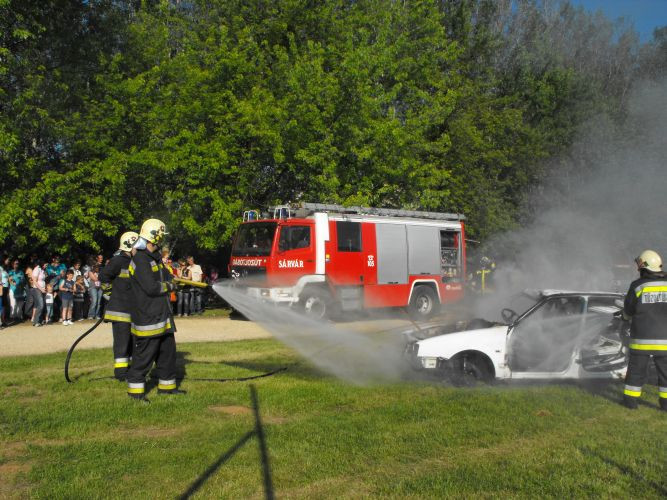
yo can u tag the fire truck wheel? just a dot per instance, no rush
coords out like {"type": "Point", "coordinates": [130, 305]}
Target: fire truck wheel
{"type": "Point", "coordinates": [424, 302]}
{"type": "Point", "coordinates": [316, 303]}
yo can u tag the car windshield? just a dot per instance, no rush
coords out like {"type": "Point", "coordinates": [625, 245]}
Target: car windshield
{"type": "Point", "coordinates": [254, 239]}
{"type": "Point", "coordinates": [521, 302]}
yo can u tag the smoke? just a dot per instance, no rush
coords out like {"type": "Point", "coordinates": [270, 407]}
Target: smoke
{"type": "Point", "coordinates": [353, 355]}
{"type": "Point", "coordinates": [605, 202]}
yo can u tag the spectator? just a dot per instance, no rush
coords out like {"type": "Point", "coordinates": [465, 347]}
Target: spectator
{"type": "Point", "coordinates": [37, 292]}
{"type": "Point", "coordinates": [94, 292]}
{"type": "Point", "coordinates": [76, 269]}
{"type": "Point", "coordinates": [54, 270]}
{"type": "Point", "coordinates": [183, 294]}
{"type": "Point", "coordinates": [167, 263]}
{"type": "Point", "coordinates": [57, 305]}
{"type": "Point", "coordinates": [49, 297]}
{"type": "Point", "coordinates": [4, 290]}
{"type": "Point", "coordinates": [79, 293]}
{"type": "Point", "coordinates": [66, 289]}
{"type": "Point", "coordinates": [196, 274]}
{"type": "Point", "coordinates": [17, 291]}
{"type": "Point", "coordinates": [5, 307]}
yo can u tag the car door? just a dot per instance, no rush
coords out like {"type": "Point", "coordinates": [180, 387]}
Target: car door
{"type": "Point", "coordinates": [543, 343]}
{"type": "Point", "coordinates": [602, 349]}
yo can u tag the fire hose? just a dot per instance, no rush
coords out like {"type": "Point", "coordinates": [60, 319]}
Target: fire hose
{"type": "Point", "coordinates": [71, 349]}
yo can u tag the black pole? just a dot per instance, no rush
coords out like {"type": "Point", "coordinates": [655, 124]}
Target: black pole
{"type": "Point", "coordinates": [259, 432]}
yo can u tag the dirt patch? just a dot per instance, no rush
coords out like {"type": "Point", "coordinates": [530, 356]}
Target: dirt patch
{"type": "Point", "coordinates": [543, 413]}
{"type": "Point", "coordinates": [10, 485]}
{"type": "Point", "coordinates": [232, 410]}
{"type": "Point", "coordinates": [149, 432]}
{"type": "Point", "coordinates": [14, 449]}
{"type": "Point", "coordinates": [275, 420]}
{"type": "Point", "coordinates": [49, 442]}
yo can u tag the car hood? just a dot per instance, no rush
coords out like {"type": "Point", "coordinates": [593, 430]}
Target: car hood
{"type": "Point", "coordinates": [488, 340]}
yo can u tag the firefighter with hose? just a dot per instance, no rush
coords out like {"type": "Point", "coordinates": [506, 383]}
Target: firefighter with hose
{"type": "Point", "coordinates": [115, 275]}
{"type": "Point", "coordinates": [152, 322]}
{"type": "Point", "coordinates": [646, 304]}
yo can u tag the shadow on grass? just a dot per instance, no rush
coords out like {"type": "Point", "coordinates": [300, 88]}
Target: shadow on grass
{"type": "Point", "coordinates": [635, 476]}
{"type": "Point", "coordinates": [298, 368]}
{"type": "Point", "coordinates": [611, 390]}
{"type": "Point", "coordinates": [257, 432]}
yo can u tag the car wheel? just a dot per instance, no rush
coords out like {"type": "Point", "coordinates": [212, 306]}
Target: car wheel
{"type": "Point", "coordinates": [316, 303]}
{"type": "Point", "coordinates": [424, 303]}
{"type": "Point", "coordinates": [469, 369]}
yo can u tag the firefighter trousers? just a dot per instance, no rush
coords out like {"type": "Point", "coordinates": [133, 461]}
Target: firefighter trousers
{"type": "Point", "coordinates": [162, 351]}
{"type": "Point", "coordinates": [637, 374]}
{"type": "Point", "coordinates": [122, 348]}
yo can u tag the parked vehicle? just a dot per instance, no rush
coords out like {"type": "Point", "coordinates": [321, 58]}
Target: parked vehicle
{"type": "Point", "coordinates": [554, 335]}
{"type": "Point", "coordinates": [329, 258]}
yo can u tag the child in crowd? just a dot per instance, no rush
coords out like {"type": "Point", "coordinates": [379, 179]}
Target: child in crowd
{"type": "Point", "coordinates": [79, 294]}
{"type": "Point", "coordinates": [48, 299]}
{"type": "Point", "coordinates": [66, 295]}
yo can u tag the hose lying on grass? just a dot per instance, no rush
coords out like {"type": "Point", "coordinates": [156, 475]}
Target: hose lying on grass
{"type": "Point", "coordinates": [234, 379]}
{"type": "Point", "coordinates": [71, 349]}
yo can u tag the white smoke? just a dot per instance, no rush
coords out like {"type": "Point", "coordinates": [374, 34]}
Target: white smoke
{"type": "Point", "coordinates": [605, 203]}
{"type": "Point", "coordinates": [355, 356]}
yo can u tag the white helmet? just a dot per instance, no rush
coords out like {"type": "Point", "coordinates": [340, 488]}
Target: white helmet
{"type": "Point", "coordinates": [127, 241]}
{"type": "Point", "coordinates": [153, 230]}
{"type": "Point", "coordinates": [650, 260]}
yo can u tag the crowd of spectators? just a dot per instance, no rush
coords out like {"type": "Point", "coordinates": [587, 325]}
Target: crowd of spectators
{"type": "Point", "coordinates": [53, 292]}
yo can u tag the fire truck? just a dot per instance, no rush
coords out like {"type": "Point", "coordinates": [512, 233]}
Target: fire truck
{"type": "Point", "coordinates": [329, 259]}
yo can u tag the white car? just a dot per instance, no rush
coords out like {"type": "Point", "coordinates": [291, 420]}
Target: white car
{"type": "Point", "coordinates": [554, 335]}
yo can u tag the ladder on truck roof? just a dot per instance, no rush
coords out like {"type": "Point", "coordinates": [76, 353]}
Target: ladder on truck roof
{"type": "Point", "coordinates": [311, 208]}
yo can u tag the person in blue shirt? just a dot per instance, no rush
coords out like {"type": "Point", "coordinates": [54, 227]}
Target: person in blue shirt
{"type": "Point", "coordinates": [17, 291]}
{"type": "Point", "coordinates": [55, 270]}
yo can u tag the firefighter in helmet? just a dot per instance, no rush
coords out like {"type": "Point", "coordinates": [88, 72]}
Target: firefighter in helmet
{"type": "Point", "coordinates": [115, 276]}
{"type": "Point", "coordinates": [152, 323]}
{"type": "Point", "coordinates": [646, 304]}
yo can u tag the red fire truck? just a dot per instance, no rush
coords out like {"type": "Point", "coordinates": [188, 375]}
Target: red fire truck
{"type": "Point", "coordinates": [329, 258]}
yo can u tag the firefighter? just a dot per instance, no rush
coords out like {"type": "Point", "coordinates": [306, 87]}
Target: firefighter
{"type": "Point", "coordinates": [152, 323]}
{"type": "Point", "coordinates": [646, 304]}
{"type": "Point", "coordinates": [115, 275]}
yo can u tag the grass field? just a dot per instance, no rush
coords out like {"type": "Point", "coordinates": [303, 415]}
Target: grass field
{"type": "Point", "coordinates": [326, 439]}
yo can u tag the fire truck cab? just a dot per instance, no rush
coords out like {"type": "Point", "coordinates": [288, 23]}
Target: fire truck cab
{"type": "Point", "coordinates": [329, 259]}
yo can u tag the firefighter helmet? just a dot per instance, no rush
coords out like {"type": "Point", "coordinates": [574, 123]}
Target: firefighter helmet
{"type": "Point", "coordinates": [650, 260]}
{"type": "Point", "coordinates": [153, 231]}
{"type": "Point", "coordinates": [127, 241]}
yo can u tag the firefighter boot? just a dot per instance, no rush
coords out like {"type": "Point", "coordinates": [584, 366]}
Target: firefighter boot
{"type": "Point", "coordinates": [171, 391]}
{"type": "Point", "coordinates": [140, 398]}
{"type": "Point", "coordinates": [630, 402]}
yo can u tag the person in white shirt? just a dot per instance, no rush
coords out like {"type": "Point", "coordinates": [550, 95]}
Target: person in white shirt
{"type": "Point", "coordinates": [196, 274]}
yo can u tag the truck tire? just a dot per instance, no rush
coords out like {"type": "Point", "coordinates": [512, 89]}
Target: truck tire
{"type": "Point", "coordinates": [316, 303]}
{"type": "Point", "coordinates": [424, 303]}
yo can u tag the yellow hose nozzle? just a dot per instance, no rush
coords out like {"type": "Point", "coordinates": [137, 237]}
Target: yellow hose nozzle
{"type": "Point", "coordinates": [183, 281]}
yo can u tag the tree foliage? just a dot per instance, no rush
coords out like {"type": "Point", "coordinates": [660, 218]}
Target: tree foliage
{"type": "Point", "coordinates": [114, 111]}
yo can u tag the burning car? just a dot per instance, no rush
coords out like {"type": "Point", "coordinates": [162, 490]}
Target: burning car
{"type": "Point", "coordinates": [548, 334]}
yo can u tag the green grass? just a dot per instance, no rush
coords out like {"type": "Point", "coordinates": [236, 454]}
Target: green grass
{"type": "Point", "coordinates": [326, 439]}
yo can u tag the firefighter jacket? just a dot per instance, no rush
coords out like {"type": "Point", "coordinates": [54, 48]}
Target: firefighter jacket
{"type": "Point", "coordinates": [646, 303]}
{"type": "Point", "coordinates": [151, 311]}
{"type": "Point", "coordinates": [116, 272]}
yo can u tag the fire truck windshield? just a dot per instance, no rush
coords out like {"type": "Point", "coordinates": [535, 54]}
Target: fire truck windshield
{"type": "Point", "coordinates": [255, 238]}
